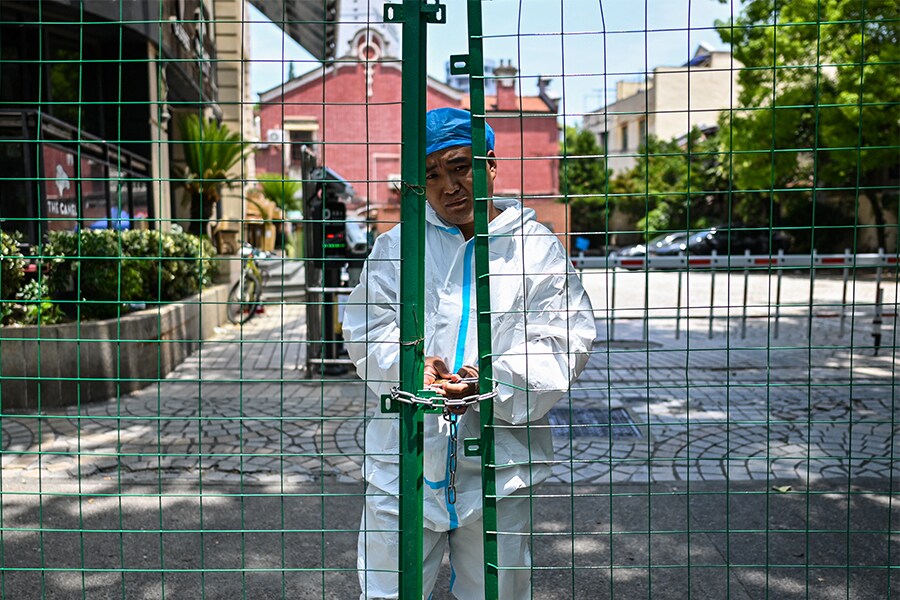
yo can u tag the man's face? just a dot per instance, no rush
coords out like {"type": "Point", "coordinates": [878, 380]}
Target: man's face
{"type": "Point", "coordinates": [448, 184]}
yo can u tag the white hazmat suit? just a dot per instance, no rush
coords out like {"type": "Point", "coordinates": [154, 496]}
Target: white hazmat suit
{"type": "Point", "coordinates": [543, 328]}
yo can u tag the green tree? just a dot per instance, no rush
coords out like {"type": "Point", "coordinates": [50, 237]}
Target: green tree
{"type": "Point", "coordinates": [820, 98]}
{"type": "Point", "coordinates": [583, 178]}
{"type": "Point", "coordinates": [675, 184]}
{"type": "Point", "coordinates": [210, 151]}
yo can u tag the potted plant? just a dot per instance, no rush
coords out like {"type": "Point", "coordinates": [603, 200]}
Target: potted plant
{"type": "Point", "coordinates": [261, 216]}
{"type": "Point", "coordinates": [287, 194]}
{"type": "Point", "coordinates": [210, 151]}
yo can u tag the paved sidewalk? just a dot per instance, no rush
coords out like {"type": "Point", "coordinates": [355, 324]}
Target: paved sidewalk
{"type": "Point", "coordinates": [691, 407]}
{"type": "Point", "coordinates": [227, 474]}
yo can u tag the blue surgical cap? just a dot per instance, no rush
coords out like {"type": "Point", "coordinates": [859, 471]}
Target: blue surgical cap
{"type": "Point", "coordinates": [448, 127]}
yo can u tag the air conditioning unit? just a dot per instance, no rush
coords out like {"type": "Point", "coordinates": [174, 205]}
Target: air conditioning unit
{"type": "Point", "coordinates": [275, 136]}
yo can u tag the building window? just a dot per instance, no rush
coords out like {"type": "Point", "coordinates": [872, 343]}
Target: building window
{"type": "Point", "coordinates": [603, 138]}
{"type": "Point", "coordinates": [300, 138]}
{"type": "Point", "coordinates": [624, 133]}
{"type": "Point", "coordinates": [642, 131]}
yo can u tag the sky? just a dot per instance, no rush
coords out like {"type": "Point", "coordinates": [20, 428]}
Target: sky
{"type": "Point", "coordinates": [560, 39]}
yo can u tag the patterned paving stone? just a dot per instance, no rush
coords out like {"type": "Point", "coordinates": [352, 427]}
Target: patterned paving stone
{"type": "Point", "coordinates": [744, 404]}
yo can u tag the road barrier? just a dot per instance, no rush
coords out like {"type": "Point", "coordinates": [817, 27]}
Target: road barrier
{"type": "Point", "coordinates": [774, 265]}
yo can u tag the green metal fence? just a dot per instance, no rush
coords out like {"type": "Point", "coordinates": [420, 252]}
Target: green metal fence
{"type": "Point", "coordinates": [182, 416]}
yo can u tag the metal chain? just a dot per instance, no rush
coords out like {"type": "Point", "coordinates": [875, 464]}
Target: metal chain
{"type": "Point", "coordinates": [442, 403]}
{"type": "Point", "coordinates": [445, 404]}
{"type": "Point", "coordinates": [451, 463]}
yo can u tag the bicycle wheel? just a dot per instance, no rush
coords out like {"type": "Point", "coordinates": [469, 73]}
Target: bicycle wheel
{"type": "Point", "coordinates": [243, 298]}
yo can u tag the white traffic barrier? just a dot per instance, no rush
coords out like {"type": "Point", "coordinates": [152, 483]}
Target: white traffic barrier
{"type": "Point", "coordinates": [747, 263]}
{"type": "Point", "coordinates": [735, 261]}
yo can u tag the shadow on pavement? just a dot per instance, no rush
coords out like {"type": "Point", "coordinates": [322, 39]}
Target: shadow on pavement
{"type": "Point", "coordinates": [665, 541]}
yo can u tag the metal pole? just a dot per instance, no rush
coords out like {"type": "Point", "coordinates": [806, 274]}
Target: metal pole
{"type": "Point", "coordinates": [746, 285]}
{"type": "Point", "coordinates": [712, 292]}
{"type": "Point", "coordinates": [847, 260]}
{"type": "Point", "coordinates": [678, 303]}
{"type": "Point", "coordinates": [812, 290]}
{"type": "Point", "coordinates": [878, 274]}
{"type": "Point", "coordinates": [879, 295]}
{"type": "Point", "coordinates": [778, 291]}
{"type": "Point", "coordinates": [483, 298]}
{"type": "Point", "coordinates": [612, 305]}
{"type": "Point", "coordinates": [412, 288]}
{"type": "Point", "coordinates": [876, 322]}
{"type": "Point", "coordinates": [645, 330]}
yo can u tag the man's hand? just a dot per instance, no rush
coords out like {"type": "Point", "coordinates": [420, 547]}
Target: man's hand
{"type": "Point", "coordinates": [436, 370]}
{"type": "Point", "coordinates": [450, 385]}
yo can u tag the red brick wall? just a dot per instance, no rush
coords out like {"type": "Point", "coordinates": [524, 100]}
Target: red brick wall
{"type": "Point", "coordinates": [359, 137]}
{"type": "Point", "coordinates": [527, 150]}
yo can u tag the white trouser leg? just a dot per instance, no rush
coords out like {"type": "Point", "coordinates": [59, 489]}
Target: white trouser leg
{"type": "Point", "coordinates": [379, 549]}
{"type": "Point", "coordinates": [513, 549]}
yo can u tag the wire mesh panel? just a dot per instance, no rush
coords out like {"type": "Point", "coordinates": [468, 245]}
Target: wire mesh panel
{"type": "Point", "coordinates": [639, 329]}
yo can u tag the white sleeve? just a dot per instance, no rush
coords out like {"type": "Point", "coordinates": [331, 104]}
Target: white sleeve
{"type": "Point", "coordinates": [559, 333]}
{"type": "Point", "coordinates": [371, 323]}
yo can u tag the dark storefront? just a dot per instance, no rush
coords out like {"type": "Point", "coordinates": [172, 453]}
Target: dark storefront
{"type": "Point", "coordinates": [61, 179]}
{"type": "Point", "coordinates": [76, 111]}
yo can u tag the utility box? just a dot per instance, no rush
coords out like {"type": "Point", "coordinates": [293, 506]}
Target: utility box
{"type": "Point", "coordinates": [329, 258]}
{"type": "Point", "coordinates": [326, 239]}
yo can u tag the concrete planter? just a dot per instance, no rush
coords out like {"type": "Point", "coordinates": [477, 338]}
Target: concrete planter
{"type": "Point", "coordinates": [62, 365]}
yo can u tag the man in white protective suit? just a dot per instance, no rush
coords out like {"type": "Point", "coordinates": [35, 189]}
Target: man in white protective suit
{"type": "Point", "coordinates": [543, 328]}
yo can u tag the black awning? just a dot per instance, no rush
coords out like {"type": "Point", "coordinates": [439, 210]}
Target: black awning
{"type": "Point", "coordinates": [311, 23]}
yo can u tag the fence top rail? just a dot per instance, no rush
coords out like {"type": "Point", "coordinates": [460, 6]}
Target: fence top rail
{"type": "Point", "coordinates": [736, 261]}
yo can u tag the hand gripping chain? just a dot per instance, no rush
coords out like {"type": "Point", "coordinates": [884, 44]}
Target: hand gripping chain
{"type": "Point", "coordinates": [433, 403]}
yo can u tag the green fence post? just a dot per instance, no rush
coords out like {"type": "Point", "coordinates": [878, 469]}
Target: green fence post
{"type": "Point", "coordinates": [413, 15]}
{"type": "Point", "coordinates": [412, 298]}
{"type": "Point", "coordinates": [483, 295]}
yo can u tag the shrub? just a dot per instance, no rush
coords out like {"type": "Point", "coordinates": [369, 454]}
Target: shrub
{"type": "Point", "coordinates": [146, 246]}
{"type": "Point", "coordinates": [12, 265]}
{"type": "Point", "coordinates": [188, 265]}
{"type": "Point", "coordinates": [107, 268]}
{"type": "Point", "coordinates": [37, 307]}
{"type": "Point", "coordinates": [92, 266]}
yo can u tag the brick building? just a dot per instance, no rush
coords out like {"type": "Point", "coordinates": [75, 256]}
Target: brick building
{"type": "Point", "coordinates": [349, 113]}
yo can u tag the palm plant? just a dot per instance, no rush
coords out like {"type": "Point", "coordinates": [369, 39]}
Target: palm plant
{"type": "Point", "coordinates": [210, 151]}
{"type": "Point", "coordinates": [286, 193]}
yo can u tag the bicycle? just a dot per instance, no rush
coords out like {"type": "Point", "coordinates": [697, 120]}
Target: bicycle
{"type": "Point", "coordinates": [245, 297]}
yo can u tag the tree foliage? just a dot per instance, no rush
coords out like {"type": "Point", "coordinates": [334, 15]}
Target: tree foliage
{"type": "Point", "coordinates": [820, 98]}
{"type": "Point", "coordinates": [583, 177]}
{"type": "Point", "coordinates": [811, 145]}
{"type": "Point", "coordinates": [676, 184]}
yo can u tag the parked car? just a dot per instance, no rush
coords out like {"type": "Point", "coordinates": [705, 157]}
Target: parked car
{"type": "Point", "coordinates": [661, 241]}
{"type": "Point", "coordinates": [729, 241]}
